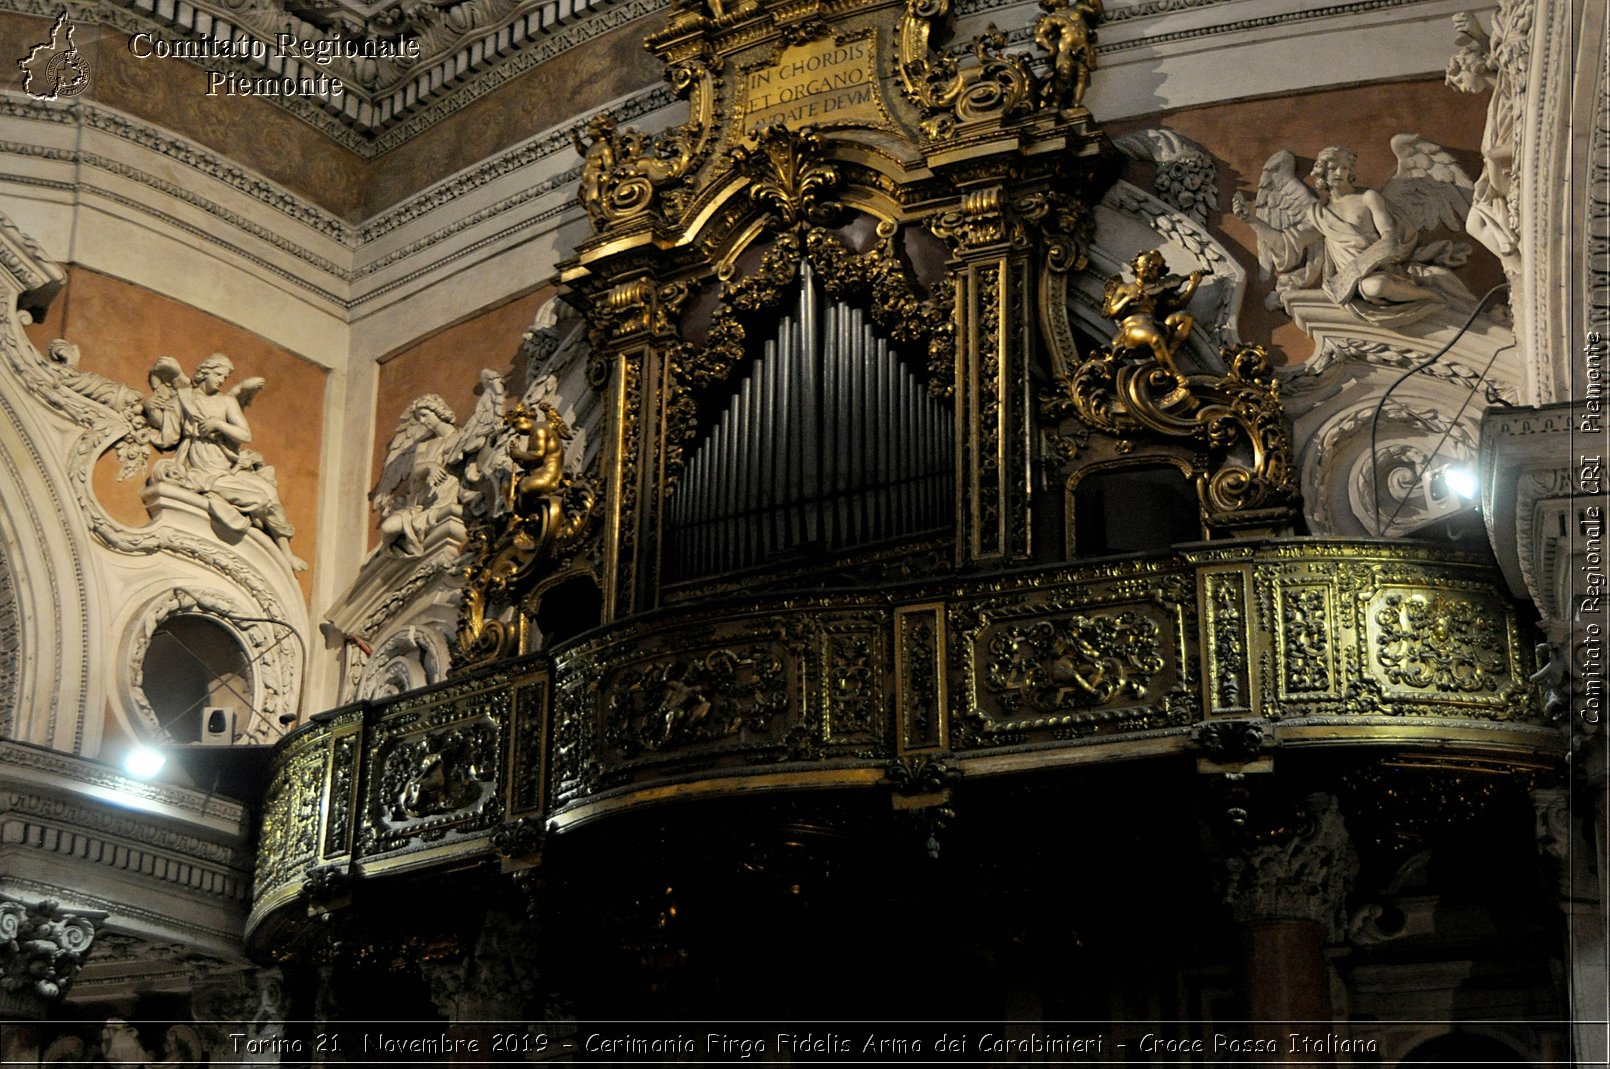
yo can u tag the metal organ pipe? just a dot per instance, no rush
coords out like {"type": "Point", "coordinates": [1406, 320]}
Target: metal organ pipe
{"type": "Point", "coordinates": [810, 405]}
{"type": "Point", "coordinates": [829, 439]}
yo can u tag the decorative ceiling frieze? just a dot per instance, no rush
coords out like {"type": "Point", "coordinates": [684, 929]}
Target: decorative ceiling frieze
{"type": "Point", "coordinates": [468, 49]}
{"type": "Point", "coordinates": [387, 95]}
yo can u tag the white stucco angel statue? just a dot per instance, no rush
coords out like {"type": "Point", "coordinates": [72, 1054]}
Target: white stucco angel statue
{"type": "Point", "coordinates": [1365, 247]}
{"type": "Point", "coordinates": [430, 463]}
{"type": "Point", "coordinates": [207, 429]}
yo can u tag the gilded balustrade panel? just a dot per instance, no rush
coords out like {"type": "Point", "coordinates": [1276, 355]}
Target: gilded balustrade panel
{"type": "Point", "coordinates": [1064, 658]}
{"type": "Point", "coordinates": [433, 767]}
{"type": "Point", "coordinates": [1311, 643]}
{"type": "Point", "coordinates": [1364, 631]}
{"type": "Point", "coordinates": [692, 695]}
{"type": "Point", "coordinates": [293, 816]}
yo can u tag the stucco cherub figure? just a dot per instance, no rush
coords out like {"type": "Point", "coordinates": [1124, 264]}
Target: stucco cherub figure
{"type": "Point", "coordinates": [1064, 31]}
{"type": "Point", "coordinates": [1364, 247]}
{"type": "Point", "coordinates": [1151, 310]}
{"type": "Point", "coordinates": [207, 429]}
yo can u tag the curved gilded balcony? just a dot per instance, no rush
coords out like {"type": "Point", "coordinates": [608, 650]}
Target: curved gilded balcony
{"type": "Point", "coordinates": [1235, 653]}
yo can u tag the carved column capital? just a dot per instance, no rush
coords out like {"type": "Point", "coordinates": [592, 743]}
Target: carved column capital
{"type": "Point", "coordinates": [42, 947]}
{"type": "Point", "coordinates": [1303, 875]}
{"type": "Point", "coordinates": [1553, 806]}
{"type": "Point", "coordinates": [494, 981]}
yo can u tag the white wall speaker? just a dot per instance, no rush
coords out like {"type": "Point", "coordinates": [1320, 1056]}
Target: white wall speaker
{"type": "Point", "coordinates": [217, 726]}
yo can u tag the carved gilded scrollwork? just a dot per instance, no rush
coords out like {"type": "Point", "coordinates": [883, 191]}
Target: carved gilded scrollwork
{"type": "Point", "coordinates": [920, 676]}
{"type": "Point", "coordinates": [993, 84]}
{"type": "Point", "coordinates": [624, 172]}
{"type": "Point", "coordinates": [1228, 665]}
{"type": "Point", "coordinates": [854, 682]}
{"type": "Point", "coordinates": [1439, 642]}
{"type": "Point", "coordinates": [518, 838]}
{"type": "Point", "coordinates": [343, 772]}
{"type": "Point", "coordinates": [549, 511]}
{"type": "Point", "coordinates": [1133, 391]}
{"type": "Point", "coordinates": [1304, 639]}
{"type": "Point", "coordinates": [1232, 740]}
{"type": "Point", "coordinates": [1081, 662]}
{"type": "Point", "coordinates": [927, 773]}
{"type": "Point", "coordinates": [788, 175]}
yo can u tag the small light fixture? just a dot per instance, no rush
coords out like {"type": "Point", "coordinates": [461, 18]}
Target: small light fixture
{"type": "Point", "coordinates": [1462, 481]}
{"type": "Point", "coordinates": [143, 762]}
{"type": "Point", "coordinates": [1450, 487]}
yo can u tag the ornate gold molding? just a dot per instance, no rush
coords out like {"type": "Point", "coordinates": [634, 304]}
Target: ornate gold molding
{"type": "Point", "coordinates": [548, 511]}
{"type": "Point", "coordinates": [1236, 653]}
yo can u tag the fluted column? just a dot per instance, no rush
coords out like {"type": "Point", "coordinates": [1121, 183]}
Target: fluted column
{"type": "Point", "coordinates": [1286, 893]}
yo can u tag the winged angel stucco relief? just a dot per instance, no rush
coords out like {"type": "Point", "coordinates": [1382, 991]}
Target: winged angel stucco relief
{"type": "Point", "coordinates": [1365, 248]}
{"type": "Point", "coordinates": [434, 468]}
{"type": "Point", "coordinates": [436, 471]}
{"type": "Point", "coordinates": [206, 427]}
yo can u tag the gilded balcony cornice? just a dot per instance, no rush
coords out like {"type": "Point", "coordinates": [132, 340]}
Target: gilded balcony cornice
{"type": "Point", "coordinates": [1237, 654]}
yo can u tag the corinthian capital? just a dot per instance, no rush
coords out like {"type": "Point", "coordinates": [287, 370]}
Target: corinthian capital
{"type": "Point", "coordinates": [42, 947]}
{"type": "Point", "coordinates": [1301, 876]}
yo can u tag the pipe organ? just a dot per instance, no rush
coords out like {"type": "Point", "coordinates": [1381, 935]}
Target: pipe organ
{"type": "Point", "coordinates": [827, 443]}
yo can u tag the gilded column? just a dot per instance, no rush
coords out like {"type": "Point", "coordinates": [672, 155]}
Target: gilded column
{"type": "Point", "coordinates": [636, 317]}
{"type": "Point", "coordinates": [995, 333]}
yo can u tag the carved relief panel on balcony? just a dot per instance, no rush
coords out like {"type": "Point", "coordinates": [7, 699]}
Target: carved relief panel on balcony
{"type": "Point", "coordinates": [720, 694]}
{"type": "Point", "coordinates": [1432, 642]}
{"type": "Point", "coordinates": [1095, 658]}
{"type": "Point", "coordinates": [1362, 634]}
{"type": "Point", "coordinates": [434, 765]}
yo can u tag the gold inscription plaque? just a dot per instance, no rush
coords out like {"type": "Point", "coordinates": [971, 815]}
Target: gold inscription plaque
{"type": "Point", "coordinates": [818, 83]}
